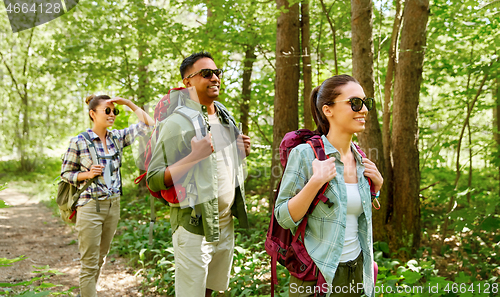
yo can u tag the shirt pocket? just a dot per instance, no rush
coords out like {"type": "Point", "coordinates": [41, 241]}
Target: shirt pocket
{"type": "Point", "coordinates": [86, 162]}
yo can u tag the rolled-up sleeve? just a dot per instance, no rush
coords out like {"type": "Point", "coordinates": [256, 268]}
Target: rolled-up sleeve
{"type": "Point", "coordinates": [128, 135]}
{"type": "Point", "coordinates": [71, 163]}
{"type": "Point", "coordinates": [170, 147]}
{"type": "Point", "coordinates": [293, 181]}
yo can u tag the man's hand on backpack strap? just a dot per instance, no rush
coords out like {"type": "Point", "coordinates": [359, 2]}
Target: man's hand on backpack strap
{"type": "Point", "coordinates": [201, 149]}
{"type": "Point", "coordinates": [244, 145]}
{"type": "Point", "coordinates": [372, 172]}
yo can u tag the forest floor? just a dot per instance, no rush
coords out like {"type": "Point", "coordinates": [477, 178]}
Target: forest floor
{"type": "Point", "coordinates": [29, 228]}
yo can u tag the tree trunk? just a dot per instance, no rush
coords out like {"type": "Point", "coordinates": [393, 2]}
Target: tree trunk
{"type": "Point", "coordinates": [143, 93]}
{"type": "Point", "coordinates": [286, 84]}
{"type": "Point", "coordinates": [469, 183]}
{"type": "Point", "coordinates": [246, 87]}
{"type": "Point", "coordinates": [497, 120]}
{"type": "Point", "coordinates": [334, 34]}
{"type": "Point", "coordinates": [362, 69]}
{"type": "Point", "coordinates": [387, 204]}
{"type": "Point", "coordinates": [406, 218]}
{"type": "Point", "coordinates": [306, 64]}
{"type": "Point", "coordinates": [24, 143]}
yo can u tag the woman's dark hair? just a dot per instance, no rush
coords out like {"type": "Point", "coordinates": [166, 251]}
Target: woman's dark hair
{"type": "Point", "coordinates": [93, 101]}
{"type": "Point", "coordinates": [189, 61]}
{"type": "Point", "coordinates": [325, 94]}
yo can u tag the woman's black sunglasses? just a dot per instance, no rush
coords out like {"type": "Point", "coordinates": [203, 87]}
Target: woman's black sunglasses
{"type": "Point", "coordinates": [357, 103]}
{"type": "Point", "coordinates": [207, 73]}
{"type": "Point", "coordinates": [116, 111]}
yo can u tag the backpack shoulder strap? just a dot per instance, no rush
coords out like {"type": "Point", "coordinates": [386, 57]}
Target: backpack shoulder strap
{"type": "Point", "coordinates": [91, 146]}
{"type": "Point", "coordinates": [370, 182]}
{"type": "Point", "coordinates": [117, 143]}
{"type": "Point", "coordinates": [319, 151]}
{"type": "Point", "coordinates": [195, 118]}
{"type": "Point", "coordinates": [222, 109]}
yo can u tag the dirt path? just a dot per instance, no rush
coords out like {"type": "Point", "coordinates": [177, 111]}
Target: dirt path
{"type": "Point", "coordinates": [29, 228]}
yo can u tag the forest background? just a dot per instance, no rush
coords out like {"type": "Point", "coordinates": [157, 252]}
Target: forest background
{"type": "Point", "coordinates": [432, 67]}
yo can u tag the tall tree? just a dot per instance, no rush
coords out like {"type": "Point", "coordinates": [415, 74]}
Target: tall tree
{"type": "Point", "coordinates": [17, 62]}
{"type": "Point", "coordinates": [497, 120]}
{"type": "Point", "coordinates": [246, 91]}
{"type": "Point", "coordinates": [387, 199]}
{"type": "Point", "coordinates": [362, 70]}
{"type": "Point", "coordinates": [286, 97]}
{"type": "Point", "coordinates": [306, 63]}
{"type": "Point", "coordinates": [406, 218]}
{"type": "Point", "coordinates": [334, 33]}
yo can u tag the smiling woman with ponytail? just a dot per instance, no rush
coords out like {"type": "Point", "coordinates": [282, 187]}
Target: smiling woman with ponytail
{"type": "Point", "coordinates": [338, 238]}
{"type": "Point", "coordinates": [98, 207]}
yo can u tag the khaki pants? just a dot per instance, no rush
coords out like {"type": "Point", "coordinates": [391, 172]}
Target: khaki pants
{"type": "Point", "coordinates": [95, 233]}
{"type": "Point", "coordinates": [201, 265]}
{"type": "Point", "coordinates": [348, 277]}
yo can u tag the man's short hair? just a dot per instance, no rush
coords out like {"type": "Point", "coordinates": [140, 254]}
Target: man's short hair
{"type": "Point", "coordinates": [189, 61]}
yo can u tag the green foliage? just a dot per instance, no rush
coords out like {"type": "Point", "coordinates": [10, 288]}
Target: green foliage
{"type": "Point", "coordinates": [38, 183]}
{"type": "Point", "coordinates": [419, 277]}
{"type": "Point", "coordinates": [4, 262]}
{"type": "Point", "coordinates": [26, 287]}
{"type": "Point", "coordinates": [2, 203]}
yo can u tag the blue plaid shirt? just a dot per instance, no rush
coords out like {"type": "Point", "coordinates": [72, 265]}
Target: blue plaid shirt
{"type": "Point", "coordinates": [325, 230]}
{"type": "Point", "coordinates": [78, 159]}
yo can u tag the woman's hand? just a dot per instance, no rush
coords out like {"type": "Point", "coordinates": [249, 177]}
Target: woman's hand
{"type": "Point", "coordinates": [120, 101]}
{"type": "Point", "coordinates": [372, 172]}
{"type": "Point", "coordinates": [95, 170]}
{"type": "Point", "coordinates": [141, 114]}
{"type": "Point", "coordinates": [324, 171]}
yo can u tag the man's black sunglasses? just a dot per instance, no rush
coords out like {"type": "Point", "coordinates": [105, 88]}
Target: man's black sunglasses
{"type": "Point", "coordinates": [357, 103]}
{"type": "Point", "coordinates": [207, 73]}
{"type": "Point", "coordinates": [116, 111]}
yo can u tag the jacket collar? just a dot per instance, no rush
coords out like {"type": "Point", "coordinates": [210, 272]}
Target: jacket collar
{"type": "Point", "coordinates": [93, 135]}
{"type": "Point", "coordinates": [219, 109]}
{"type": "Point", "coordinates": [330, 149]}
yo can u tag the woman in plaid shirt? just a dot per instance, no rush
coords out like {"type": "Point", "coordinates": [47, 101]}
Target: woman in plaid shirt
{"type": "Point", "coordinates": [338, 238]}
{"type": "Point", "coordinates": [96, 224]}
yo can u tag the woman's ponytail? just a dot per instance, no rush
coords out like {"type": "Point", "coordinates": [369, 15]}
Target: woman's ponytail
{"type": "Point", "coordinates": [93, 101]}
{"type": "Point", "coordinates": [321, 123]}
{"type": "Point", "coordinates": [325, 94]}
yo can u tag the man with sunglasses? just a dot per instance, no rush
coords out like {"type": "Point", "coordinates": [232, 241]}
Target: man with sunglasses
{"type": "Point", "coordinates": [212, 168]}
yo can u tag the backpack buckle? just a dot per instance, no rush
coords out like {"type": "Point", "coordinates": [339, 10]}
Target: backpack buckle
{"type": "Point", "coordinates": [282, 251]}
{"type": "Point", "coordinates": [194, 221]}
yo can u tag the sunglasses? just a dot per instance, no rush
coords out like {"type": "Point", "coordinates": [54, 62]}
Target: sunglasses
{"type": "Point", "coordinates": [108, 110]}
{"type": "Point", "coordinates": [207, 73]}
{"type": "Point", "coordinates": [357, 103]}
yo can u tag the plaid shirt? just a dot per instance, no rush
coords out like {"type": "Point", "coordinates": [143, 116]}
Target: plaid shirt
{"type": "Point", "coordinates": [325, 230]}
{"type": "Point", "coordinates": [78, 159]}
